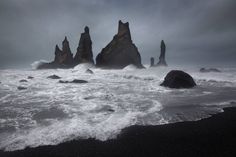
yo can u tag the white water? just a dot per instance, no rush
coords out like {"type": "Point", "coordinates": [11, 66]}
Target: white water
{"type": "Point", "coordinates": [48, 113]}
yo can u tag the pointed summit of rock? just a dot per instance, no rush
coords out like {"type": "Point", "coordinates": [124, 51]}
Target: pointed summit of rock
{"type": "Point", "coordinates": [162, 61]}
{"type": "Point", "coordinates": [121, 51]}
{"type": "Point", "coordinates": [123, 30]}
{"type": "Point", "coordinates": [84, 52]}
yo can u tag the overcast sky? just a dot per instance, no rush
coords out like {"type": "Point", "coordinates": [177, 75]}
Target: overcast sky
{"type": "Point", "coordinates": [201, 32]}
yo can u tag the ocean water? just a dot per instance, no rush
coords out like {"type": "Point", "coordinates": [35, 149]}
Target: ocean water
{"type": "Point", "coordinates": [48, 112]}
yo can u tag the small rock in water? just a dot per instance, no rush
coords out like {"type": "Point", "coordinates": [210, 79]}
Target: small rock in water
{"type": "Point", "coordinates": [204, 70]}
{"type": "Point", "coordinates": [54, 77]}
{"type": "Point", "coordinates": [74, 81]}
{"type": "Point", "coordinates": [23, 81]}
{"type": "Point", "coordinates": [61, 81]}
{"type": "Point", "coordinates": [30, 77]}
{"type": "Point", "coordinates": [89, 71]}
{"type": "Point", "coordinates": [21, 88]}
{"type": "Point", "coordinates": [178, 79]}
{"type": "Point", "coordinates": [111, 110]}
{"type": "Point", "coordinates": [79, 81]}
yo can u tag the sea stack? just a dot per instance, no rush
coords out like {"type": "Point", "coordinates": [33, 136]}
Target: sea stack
{"type": "Point", "coordinates": [162, 61]}
{"type": "Point", "coordinates": [84, 51]}
{"type": "Point", "coordinates": [152, 62]}
{"type": "Point", "coordinates": [63, 58]}
{"type": "Point", "coordinates": [120, 52]}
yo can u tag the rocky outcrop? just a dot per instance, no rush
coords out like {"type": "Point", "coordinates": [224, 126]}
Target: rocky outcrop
{"type": "Point", "coordinates": [120, 52]}
{"type": "Point", "coordinates": [162, 61]}
{"type": "Point", "coordinates": [84, 51]}
{"type": "Point", "coordinates": [63, 58]}
{"type": "Point", "coordinates": [178, 79]}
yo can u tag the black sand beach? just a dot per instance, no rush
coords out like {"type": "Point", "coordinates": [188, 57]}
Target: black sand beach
{"type": "Point", "coordinates": [211, 137]}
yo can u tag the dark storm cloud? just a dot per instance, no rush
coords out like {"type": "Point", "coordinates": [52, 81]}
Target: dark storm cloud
{"type": "Point", "coordinates": [196, 31]}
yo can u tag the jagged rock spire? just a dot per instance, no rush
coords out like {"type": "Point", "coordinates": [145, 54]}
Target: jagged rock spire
{"type": "Point", "coordinates": [63, 56]}
{"type": "Point", "coordinates": [121, 51]}
{"type": "Point", "coordinates": [162, 61]}
{"type": "Point", "coordinates": [84, 52]}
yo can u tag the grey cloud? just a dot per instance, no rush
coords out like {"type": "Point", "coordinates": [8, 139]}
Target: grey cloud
{"type": "Point", "coordinates": [196, 31]}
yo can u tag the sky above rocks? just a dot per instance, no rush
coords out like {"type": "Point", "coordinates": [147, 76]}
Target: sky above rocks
{"type": "Point", "coordinates": [196, 32]}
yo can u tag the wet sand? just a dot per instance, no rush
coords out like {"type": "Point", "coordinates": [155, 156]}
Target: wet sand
{"type": "Point", "coordinates": [211, 137]}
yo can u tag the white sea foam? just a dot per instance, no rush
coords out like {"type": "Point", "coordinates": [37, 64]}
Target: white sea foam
{"type": "Point", "coordinates": [48, 112]}
{"type": "Point", "coordinates": [36, 64]}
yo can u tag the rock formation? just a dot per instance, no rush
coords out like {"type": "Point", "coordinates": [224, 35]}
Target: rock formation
{"type": "Point", "coordinates": [178, 79]}
{"type": "Point", "coordinates": [162, 61]}
{"type": "Point", "coordinates": [84, 51]}
{"type": "Point", "coordinates": [63, 58]}
{"type": "Point", "coordinates": [120, 52]}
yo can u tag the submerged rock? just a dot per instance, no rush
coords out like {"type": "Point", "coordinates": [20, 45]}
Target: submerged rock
{"type": "Point", "coordinates": [162, 61]}
{"type": "Point", "coordinates": [23, 81]}
{"type": "Point", "coordinates": [30, 77]}
{"type": "Point", "coordinates": [54, 77]}
{"type": "Point", "coordinates": [152, 62]}
{"type": "Point", "coordinates": [84, 51]}
{"type": "Point", "coordinates": [205, 70]}
{"type": "Point", "coordinates": [89, 71]}
{"type": "Point", "coordinates": [21, 88]}
{"type": "Point", "coordinates": [178, 79]}
{"type": "Point", "coordinates": [74, 81]}
{"type": "Point", "coordinates": [120, 52]}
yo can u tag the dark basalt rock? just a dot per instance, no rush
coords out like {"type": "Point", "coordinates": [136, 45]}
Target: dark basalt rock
{"type": "Point", "coordinates": [30, 77]}
{"type": "Point", "coordinates": [205, 70]}
{"type": "Point", "coordinates": [74, 81]}
{"type": "Point", "coordinates": [21, 88]}
{"type": "Point", "coordinates": [63, 58]}
{"type": "Point", "coordinates": [89, 71]}
{"type": "Point", "coordinates": [162, 61]}
{"type": "Point", "coordinates": [178, 79]}
{"type": "Point", "coordinates": [120, 52]}
{"type": "Point", "coordinates": [84, 51]}
{"type": "Point", "coordinates": [23, 81]}
{"type": "Point", "coordinates": [54, 77]}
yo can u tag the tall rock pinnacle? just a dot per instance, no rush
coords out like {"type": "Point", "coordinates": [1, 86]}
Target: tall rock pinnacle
{"type": "Point", "coordinates": [162, 61]}
{"type": "Point", "coordinates": [121, 51]}
{"type": "Point", "coordinates": [84, 51]}
{"type": "Point", "coordinates": [63, 56]}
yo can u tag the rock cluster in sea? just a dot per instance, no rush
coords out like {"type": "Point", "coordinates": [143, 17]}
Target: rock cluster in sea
{"type": "Point", "coordinates": [162, 60]}
{"type": "Point", "coordinates": [120, 52]}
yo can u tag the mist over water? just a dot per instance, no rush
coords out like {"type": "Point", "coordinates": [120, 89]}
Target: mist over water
{"type": "Point", "coordinates": [48, 112]}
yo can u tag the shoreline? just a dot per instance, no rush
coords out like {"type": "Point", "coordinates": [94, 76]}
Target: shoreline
{"type": "Point", "coordinates": [213, 136]}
